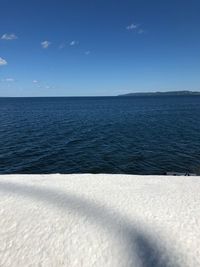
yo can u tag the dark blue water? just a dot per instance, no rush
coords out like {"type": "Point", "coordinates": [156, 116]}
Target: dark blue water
{"type": "Point", "coordinates": [138, 135]}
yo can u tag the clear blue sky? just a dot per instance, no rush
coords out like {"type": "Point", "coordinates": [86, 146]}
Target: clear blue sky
{"type": "Point", "coordinates": [98, 47]}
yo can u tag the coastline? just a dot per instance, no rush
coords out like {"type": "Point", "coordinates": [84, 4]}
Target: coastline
{"type": "Point", "coordinates": [99, 220]}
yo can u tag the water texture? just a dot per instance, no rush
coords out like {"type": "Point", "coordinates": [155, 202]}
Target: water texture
{"type": "Point", "coordinates": [132, 135]}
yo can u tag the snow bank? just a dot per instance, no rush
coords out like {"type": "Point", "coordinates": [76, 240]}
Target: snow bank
{"type": "Point", "coordinates": [99, 220]}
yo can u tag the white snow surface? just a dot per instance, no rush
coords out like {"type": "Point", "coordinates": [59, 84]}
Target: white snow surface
{"type": "Point", "coordinates": [99, 220]}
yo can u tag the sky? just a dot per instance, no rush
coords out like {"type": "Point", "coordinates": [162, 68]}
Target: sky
{"type": "Point", "coordinates": [98, 47]}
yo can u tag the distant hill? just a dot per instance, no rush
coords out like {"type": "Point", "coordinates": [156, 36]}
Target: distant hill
{"type": "Point", "coordinates": [169, 93]}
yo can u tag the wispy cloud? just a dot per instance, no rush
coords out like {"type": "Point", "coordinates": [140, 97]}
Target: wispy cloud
{"type": "Point", "coordinates": [45, 44]}
{"type": "Point", "coordinates": [135, 28]}
{"type": "Point", "coordinates": [74, 42]}
{"type": "Point", "coordinates": [8, 80]}
{"type": "Point", "coordinates": [40, 84]}
{"type": "Point", "coordinates": [141, 31]}
{"type": "Point", "coordinates": [9, 37]}
{"type": "Point", "coordinates": [132, 27]}
{"type": "Point", "coordinates": [3, 62]}
{"type": "Point", "coordinates": [87, 53]}
{"type": "Point", "coordinates": [61, 46]}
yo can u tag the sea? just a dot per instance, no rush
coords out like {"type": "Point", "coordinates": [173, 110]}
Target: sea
{"type": "Point", "coordinates": [128, 135]}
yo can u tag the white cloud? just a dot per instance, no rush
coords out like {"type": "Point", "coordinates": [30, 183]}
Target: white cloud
{"type": "Point", "coordinates": [3, 62]}
{"type": "Point", "coordinates": [74, 43]}
{"type": "Point", "coordinates": [132, 27]}
{"type": "Point", "coordinates": [9, 37]}
{"type": "Point", "coordinates": [87, 53]}
{"type": "Point", "coordinates": [45, 44]}
{"type": "Point", "coordinates": [35, 81]}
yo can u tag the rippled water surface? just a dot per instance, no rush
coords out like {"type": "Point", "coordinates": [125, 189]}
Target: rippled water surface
{"type": "Point", "coordinates": [136, 135]}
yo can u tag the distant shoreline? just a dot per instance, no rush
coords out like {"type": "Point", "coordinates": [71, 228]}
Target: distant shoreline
{"type": "Point", "coordinates": [168, 93]}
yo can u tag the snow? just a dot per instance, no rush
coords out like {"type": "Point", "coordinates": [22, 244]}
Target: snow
{"type": "Point", "coordinates": [99, 220]}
